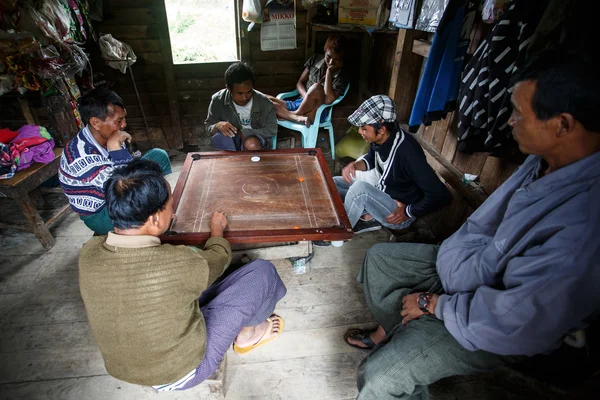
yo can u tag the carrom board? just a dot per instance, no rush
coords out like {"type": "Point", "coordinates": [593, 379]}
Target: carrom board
{"type": "Point", "coordinates": [283, 195]}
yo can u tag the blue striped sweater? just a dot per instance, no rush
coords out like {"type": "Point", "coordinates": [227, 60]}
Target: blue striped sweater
{"type": "Point", "coordinates": [84, 168]}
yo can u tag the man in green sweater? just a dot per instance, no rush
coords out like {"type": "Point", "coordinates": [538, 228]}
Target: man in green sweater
{"type": "Point", "coordinates": [160, 314]}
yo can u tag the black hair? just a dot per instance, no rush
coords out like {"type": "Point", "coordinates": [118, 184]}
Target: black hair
{"type": "Point", "coordinates": [565, 83]}
{"type": "Point", "coordinates": [391, 126]}
{"type": "Point", "coordinates": [238, 72]}
{"type": "Point", "coordinates": [337, 44]}
{"type": "Point", "coordinates": [134, 192]}
{"type": "Point", "coordinates": [95, 103]}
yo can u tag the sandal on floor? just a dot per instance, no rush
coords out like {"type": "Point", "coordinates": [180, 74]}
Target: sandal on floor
{"type": "Point", "coordinates": [362, 335]}
{"type": "Point", "coordinates": [271, 319]}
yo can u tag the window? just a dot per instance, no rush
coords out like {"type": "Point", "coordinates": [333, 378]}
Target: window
{"type": "Point", "coordinates": [202, 31]}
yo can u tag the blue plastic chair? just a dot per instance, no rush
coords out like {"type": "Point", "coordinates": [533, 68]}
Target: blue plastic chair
{"type": "Point", "coordinates": [309, 135]}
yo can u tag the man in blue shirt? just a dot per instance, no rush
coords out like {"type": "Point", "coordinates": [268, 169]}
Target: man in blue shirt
{"type": "Point", "coordinates": [520, 274]}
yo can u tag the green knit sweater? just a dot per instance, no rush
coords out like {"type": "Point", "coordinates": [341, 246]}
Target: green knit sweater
{"type": "Point", "coordinates": [141, 298]}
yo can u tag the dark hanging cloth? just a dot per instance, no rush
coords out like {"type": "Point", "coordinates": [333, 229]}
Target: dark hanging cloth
{"type": "Point", "coordinates": [484, 96]}
{"type": "Point", "coordinates": [553, 27]}
{"type": "Point", "coordinates": [439, 84]}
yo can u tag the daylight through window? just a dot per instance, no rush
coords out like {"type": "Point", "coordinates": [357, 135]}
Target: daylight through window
{"type": "Point", "coordinates": [202, 31]}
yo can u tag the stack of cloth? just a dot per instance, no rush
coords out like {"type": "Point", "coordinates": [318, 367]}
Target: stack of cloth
{"type": "Point", "coordinates": [19, 149]}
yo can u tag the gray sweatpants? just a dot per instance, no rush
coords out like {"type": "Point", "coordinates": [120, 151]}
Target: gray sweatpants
{"type": "Point", "coordinates": [422, 352]}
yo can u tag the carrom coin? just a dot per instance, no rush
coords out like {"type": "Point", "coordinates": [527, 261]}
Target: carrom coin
{"type": "Point", "coordinates": [255, 159]}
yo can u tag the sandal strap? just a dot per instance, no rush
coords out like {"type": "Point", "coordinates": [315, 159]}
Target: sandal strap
{"type": "Point", "coordinates": [269, 328]}
{"type": "Point", "coordinates": [364, 337]}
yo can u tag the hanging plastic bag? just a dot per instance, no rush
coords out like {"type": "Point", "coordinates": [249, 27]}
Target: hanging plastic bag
{"type": "Point", "coordinates": [76, 59]}
{"type": "Point", "coordinates": [252, 11]}
{"type": "Point", "coordinates": [118, 55]}
{"type": "Point", "coordinates": [48, 63]}
{"type": "Point", "coordinates": [493, 10]}
{"type": "Point", "coordinates": [431, 14]}
{"type": "Point", "coordinates": [58, 13]}
{"type": "Point", "coordinates": [53, 19]}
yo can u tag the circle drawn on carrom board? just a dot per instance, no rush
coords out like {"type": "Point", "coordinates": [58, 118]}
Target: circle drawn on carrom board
{"type": "Point", "coordinates": [256, 186]}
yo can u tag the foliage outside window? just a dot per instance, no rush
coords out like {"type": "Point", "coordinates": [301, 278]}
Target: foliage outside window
{"type": "Point", "coordinates": [202, 31]}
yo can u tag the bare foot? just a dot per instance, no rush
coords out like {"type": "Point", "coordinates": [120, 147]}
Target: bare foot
{"type": "Point", "coordinates": [376, 336]}
{"type": "Point", "coordinates": [308, 122]}
{"type": "Point", "coordinates": [253, 334]}
{"type": "Point", "coordinates": [302, 119]}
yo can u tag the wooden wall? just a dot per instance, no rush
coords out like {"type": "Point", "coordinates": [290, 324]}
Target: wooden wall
{"type": "Point", "coordinates": [276, 71]}
{"type": "Point", "coordinates": [175, 98]}
{"type": "Point", "coordinates": [179, 122]}
{"type": "Point", "coordinates": [492, 171]}
{"type": "Point", "coordinates": [441, 136]}
{"type": "Point", "coordinates": [142, 24]}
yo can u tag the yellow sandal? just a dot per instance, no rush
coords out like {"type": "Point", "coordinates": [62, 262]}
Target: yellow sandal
{"type": "Point", "coordinates": [243, 350]}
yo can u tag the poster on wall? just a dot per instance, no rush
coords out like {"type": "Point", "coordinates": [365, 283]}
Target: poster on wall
{"type": "Point", "coordinates": [278, 29]}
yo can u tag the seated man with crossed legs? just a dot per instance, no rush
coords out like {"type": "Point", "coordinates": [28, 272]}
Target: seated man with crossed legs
{"type": "Point", "coordinates": [165, 315]}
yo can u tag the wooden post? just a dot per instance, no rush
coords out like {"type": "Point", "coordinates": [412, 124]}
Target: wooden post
{"type": "Point", "coordinates": [36, 222]}
{"type": "Point", "coordinates": [243, 38]}
{"type": "Point", "coordinates": [61, 115]}
{"type": "Point", "coordinates": [365, 64]}
{"type": "Point", "coordinates": [474, 197]}
{"type": "Point", "coordinates": [174, 137]}
{"type": "Point", "coordinates": [405, 73]}
{"type": "Point", "coordinates": [309, 42]}
{"type": "Point", "coordinates": [31, 120]}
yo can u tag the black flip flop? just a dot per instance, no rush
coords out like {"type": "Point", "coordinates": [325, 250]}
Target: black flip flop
{"type": "Point", "coordinates": [362, 335]}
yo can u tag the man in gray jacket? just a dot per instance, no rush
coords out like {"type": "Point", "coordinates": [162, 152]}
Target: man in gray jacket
{"type": "Point", "coordinates": [520, 274]}
{"type": "Point", "coordinates": [239, 117]}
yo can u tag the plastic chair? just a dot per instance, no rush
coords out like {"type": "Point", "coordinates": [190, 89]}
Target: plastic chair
{"type": "Point", "coordinates": [309, 135]}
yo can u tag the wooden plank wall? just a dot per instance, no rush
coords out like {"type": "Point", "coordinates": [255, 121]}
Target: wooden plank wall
{"type": "Point", "coordinates": [137, 23]}
{"type": "Point", "coordinates": [276, 71]}
{"type": "Point", "coordinates": [142, 24]}
{"type": "Point", "coordinates": [492, 171]}
{"type": "Point", "coordinates": [442, 135]}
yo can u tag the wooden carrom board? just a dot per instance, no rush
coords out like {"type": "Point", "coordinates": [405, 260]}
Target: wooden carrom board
{"type": "Point", "coordinates": [269, 196]}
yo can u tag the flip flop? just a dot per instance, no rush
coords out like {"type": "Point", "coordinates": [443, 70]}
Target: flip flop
{"type": "Point", "coordinates": [362, 335]}
{"type": "Point", "coordinates": [243, 350]}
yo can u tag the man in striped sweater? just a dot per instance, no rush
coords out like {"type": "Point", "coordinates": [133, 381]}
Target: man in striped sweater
{"type": "Point", "coordinates": [89, 158]}
{"type": "Point", "coordinates": [392, 184]}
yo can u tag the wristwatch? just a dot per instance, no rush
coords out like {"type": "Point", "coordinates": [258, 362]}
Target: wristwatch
{"type": "Point", "coordinates": [423, 301]}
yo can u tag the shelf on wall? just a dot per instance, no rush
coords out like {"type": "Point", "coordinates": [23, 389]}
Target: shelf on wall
{"type": "Point", "coordinates": [421, 47]}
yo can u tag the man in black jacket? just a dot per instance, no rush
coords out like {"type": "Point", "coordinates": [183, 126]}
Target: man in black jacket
{"type": "Point", "coordinates": [392, 184]}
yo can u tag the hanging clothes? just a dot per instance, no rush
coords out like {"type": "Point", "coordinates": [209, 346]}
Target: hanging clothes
{"type": "Point", "coordinates": [439, 84]}
{"type": "Point", "coordinates": [484, 96]}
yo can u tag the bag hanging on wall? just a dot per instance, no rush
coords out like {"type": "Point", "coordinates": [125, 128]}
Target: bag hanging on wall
{"type": "Point", "coordinates": [252, 11]}
{"type": "Point", "coordinates": [118, 55]}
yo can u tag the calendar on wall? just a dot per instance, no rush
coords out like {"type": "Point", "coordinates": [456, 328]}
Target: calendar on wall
{"type": "Point", "coordinates": [278, 29]}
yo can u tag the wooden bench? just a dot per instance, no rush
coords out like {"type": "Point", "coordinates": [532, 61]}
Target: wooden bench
{"type": "Point", "coordinates": [20, 188]}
